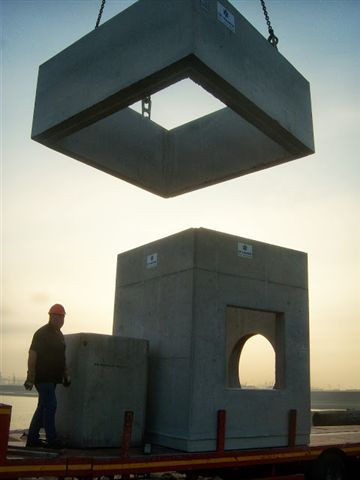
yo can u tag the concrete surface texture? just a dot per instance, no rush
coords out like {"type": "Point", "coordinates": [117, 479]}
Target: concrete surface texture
{"type": "Point", "coordinates": [84, 92]}
{"type": "Point", "coordinates": [109, 377]}
{"type": "Point", "coordinates": [197, 296]}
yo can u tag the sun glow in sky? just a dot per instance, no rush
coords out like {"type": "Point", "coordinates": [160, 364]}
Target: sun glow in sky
{"type": "Point", "coordinates": [63, 222]}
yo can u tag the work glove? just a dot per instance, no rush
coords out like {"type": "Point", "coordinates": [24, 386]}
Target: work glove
{"type": "Point", "coordinates": [29, 382]}
{"type": "Point", "coordinates": [66, 381]}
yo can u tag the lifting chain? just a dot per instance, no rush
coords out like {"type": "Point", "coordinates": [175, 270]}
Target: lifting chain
{"type": "Point", "coordinates": [272, 39]}
{"type": "Point", "coordinates": [100, 13]}
{"type": "Point", "coordinates": [146, 107]}
{"type": "Point", "coordinates": [146, 102]}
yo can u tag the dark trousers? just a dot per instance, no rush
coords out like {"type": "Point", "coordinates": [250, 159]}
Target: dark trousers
{"type": "Point", "coordinates": [44, 415]}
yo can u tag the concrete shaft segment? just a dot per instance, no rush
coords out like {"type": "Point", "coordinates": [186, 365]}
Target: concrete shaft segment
{"type": "Point", "coordinates": [197, 296]}
{"type": "Point", "coordinates": [84, 92]}
{"type": "Point", "coordinates": [109, 377]}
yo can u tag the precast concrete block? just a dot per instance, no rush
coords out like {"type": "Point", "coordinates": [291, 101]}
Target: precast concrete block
{"type": "Point", "coordinates": [84, 93]}
{"type": "Point", "coordinates": [109, 377]}
{"type": "Point", "coordinates": [198, 296]}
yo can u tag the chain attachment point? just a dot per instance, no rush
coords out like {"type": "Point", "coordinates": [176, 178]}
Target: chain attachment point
{"type": "Point", "coordinates": [146, 107]}
{"type": "Point", "coordinates": [272, 39]}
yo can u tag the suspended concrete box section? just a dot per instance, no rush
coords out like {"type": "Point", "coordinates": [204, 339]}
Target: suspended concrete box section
{"type": "Point", "coordinates": [84, 94]}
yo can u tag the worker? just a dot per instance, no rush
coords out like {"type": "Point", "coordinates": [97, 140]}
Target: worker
{"type": "Point", "coordinates": [46, 369]}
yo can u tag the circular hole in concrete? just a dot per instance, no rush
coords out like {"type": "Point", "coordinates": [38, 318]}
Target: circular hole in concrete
{"type": "Point", "coordinates": [257, 364]}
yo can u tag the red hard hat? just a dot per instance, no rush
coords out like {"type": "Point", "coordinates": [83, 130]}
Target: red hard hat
{"type": "Point", "coordinates": [57, 309]}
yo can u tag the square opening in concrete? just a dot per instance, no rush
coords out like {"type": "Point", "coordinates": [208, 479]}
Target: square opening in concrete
{"type": "Point", "coordinates": [181, 103]}
{"type": "Point", "coordinates": [84, 93]}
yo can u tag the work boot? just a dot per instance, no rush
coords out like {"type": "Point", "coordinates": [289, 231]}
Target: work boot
{"type": "Point", "coordinates": [35, 443]}
{"type": "Point", "coordinates": [56, 444]}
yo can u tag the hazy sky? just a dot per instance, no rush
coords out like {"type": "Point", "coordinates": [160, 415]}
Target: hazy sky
{"type": "Point", "coordinates": [63, 223]}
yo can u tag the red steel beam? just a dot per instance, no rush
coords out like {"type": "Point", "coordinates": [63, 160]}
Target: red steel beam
{"type": "Point", "coordinates": [127, 431]}
{"type": "Point", "coordinates": [221, 425]}
{"type": "Point", "coordinates": [292, 428]}
{"type": "Point", "coordinates": [5, 416]}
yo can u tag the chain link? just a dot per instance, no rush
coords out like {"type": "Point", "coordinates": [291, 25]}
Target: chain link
{"type": "Point", "coordinates": [146, 102]}
{"type": "Point", "coordinates": [146, 107]}
{"type": "Point", "coordinates": [272, 39]}
{"type": "Point", "coordinates": [100, 13]}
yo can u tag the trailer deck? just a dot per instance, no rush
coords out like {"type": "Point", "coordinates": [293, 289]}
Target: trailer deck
{"type": "Point", "coordinates": [337, 444]}
{"type": "Point", "coordinates": [95, 463]}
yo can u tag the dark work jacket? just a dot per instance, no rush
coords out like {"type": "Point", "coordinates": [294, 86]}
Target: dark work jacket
{"type": "Point", "coordinates": [49, 344]}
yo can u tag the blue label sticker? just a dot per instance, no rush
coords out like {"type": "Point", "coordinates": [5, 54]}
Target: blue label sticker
{"type": "Point", "coordinates": [225, 17]}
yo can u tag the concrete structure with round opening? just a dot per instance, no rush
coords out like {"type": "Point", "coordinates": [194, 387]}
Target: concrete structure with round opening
{"type": "Point", "coordinates": [197, 296]}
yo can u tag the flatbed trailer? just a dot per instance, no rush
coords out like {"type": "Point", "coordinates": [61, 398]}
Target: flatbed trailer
{"type": "Point", "coordinates": [333, 454]}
